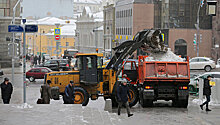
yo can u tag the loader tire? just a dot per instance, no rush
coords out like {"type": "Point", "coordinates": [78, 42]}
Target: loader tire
{"type": "Point", "coordinates": [134, 96]}
{"type": "Point", "coordinates": [81, 96]}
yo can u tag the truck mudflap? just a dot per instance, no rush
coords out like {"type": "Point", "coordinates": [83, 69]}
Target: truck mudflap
{"type": "Point", "coordinates": [148, 94]}
{"type": "Point", "coordinates": [183, 94]}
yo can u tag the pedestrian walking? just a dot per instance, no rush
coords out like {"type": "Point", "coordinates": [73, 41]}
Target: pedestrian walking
{"type": "Point", "coordinates": [46, 92]}
{"type": "Point", "coordinates": [69, 96]}
{"type": "Point", "coordinates": [43, 59]}
{"type": "Point", "coordinates": [39, 59]}
{"type": "Point", "coordinates": [207, 92]}
{"type": "Point", "coordinates": [6, 89]}
{"type": "Point", "coordinates": [32, 61]}
{"type": "Point", "coordinates": [122, 95]}
{"type": "Point", "coordinates": [35, 60]}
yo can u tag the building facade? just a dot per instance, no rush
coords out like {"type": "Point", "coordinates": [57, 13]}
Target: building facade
{"type": "Point", "coordinates": [89, 31]}
{"type": "Point", "coordinates": [173, 17]}
{"type": "Point", "coordinates": [109, 29]}
{"type": "Point", "coordinates": [6, 13]}
{"type": "Point", "coordinates": [43, 42]}
{"type": "Point", "coordinates": [216, 33]}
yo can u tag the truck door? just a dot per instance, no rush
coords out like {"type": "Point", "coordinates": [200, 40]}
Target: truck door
{"type": "Point", "coordinates": [130, 69]}
{"type": "Point", "coordinates": [88, 69]}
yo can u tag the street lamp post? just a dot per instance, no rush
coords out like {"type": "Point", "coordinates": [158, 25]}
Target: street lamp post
{"type": "Point", "coordinates": [198, 30]}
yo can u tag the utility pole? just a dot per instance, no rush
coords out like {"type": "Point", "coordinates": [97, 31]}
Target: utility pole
{"type": "Point", "coordinates": [198, 31]}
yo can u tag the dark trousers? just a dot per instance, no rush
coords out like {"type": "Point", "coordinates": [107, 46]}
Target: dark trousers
{"type": "Point", "coordinates": [6, 101]}
{"type": "Point", "coordinates": [207, 101]}
{"type": "Point", "coordinates": [126, 105]}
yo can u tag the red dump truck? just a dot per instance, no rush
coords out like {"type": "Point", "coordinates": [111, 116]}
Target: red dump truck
{"type": "Point", "coordinates": [160, 80]}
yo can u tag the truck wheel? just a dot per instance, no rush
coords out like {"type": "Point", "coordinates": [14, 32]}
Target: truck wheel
{"type": "Point", "coordinates": [81, 96]}
{"type": "Point", "coordinates": [184, 102]}
{"type": "Point", "coordinates": [114, 95]}
{"type": "Point", "coordinates": [142, 101]}
{"type": "Point", "coordinates": [31, 79]}
{"type": "Point", "coordinates": [175, 103]}
{"type": "Point", "coordinates": [134, 96]}
{"type": "Point", "coordinates": [208, 68]}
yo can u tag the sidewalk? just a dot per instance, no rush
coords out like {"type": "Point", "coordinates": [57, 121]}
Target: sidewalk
{"type": "Point", "coordinates": [55, 115]}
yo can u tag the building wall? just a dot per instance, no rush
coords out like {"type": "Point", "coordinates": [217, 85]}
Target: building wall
{"type": "Point", "coordinates": [188, 36]}
{"type": "Point", "coordinates": [48, 43]}
{"type": "Point", "coordinates": [143, 17]}
{"type": "Point", "coordinates": [216, 32]}
{"type": "Point", "coordinates": [109, 28]}
{"type": "Point", "coordinates": [89, 39]}
{"type": "Point", "coordinates": [6, 14]}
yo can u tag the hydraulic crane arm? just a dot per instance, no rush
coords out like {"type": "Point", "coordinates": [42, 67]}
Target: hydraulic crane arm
{"type": "Point", "coordinates": [147, 40]}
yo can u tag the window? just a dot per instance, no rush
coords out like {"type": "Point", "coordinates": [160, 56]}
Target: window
{"type": "Point", "coordinates": [44, 70]}
{"type": "Point", "coordinates": [99, 62]}
{"type": "Point", "coordinates": [216, 75]}
{"type": "Point", "coordinates": [67, 43]}
{"type": "Point", "coordinates": [203, 60]}
{"type": "Point", "coordinates": [194, 60]}
{"type": "Point", "coordinates": [36, 70]}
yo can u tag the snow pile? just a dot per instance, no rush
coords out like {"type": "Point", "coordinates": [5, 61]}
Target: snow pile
{"type": "Point", "coordinates": [23, 106]}
{"type": "Point", "coordinates": [168, 56]}
{"type": "Point", "coordinates": [199, 102]}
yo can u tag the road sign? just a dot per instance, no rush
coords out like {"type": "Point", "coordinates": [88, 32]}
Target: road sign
{"type": "Point", "coordinates": [57, 37]}
{"type": "Point", "coordinates": [31, 28]}
{"type": "Point", "coordinates": [15, 28]}
{"type": "Point", "coordinates": [57, 31]}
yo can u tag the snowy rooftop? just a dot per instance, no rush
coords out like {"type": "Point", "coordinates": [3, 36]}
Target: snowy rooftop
{"type": "Point", "coordinates": [50, 21]}
{"type": "Point", "coordinates": [66, 30]}
{"type": "Point", "coordinates": [87, 15]}
{"type": "Point", "coordinates": [88, 1]}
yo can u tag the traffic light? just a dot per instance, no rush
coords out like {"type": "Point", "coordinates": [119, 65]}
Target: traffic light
{"type": "Point", "coordinates": [194, 40]}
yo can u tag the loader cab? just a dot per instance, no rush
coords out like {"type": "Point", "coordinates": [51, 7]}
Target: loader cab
{"type": "Point", "coordinates": [90, 68]}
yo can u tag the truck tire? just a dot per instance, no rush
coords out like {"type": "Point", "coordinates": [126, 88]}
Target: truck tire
{"type": "Point", "coordinates": [81, 96]}
{"type": "Point", "coordinates": [134, 96]}
{"type": "Point", "coordinates": [184, 103]}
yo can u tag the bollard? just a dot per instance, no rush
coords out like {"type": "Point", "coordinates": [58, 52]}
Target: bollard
{"type": "Point", "coordinates": [108, 105]}
{"type": "Point", "coordinates": [201, 84]}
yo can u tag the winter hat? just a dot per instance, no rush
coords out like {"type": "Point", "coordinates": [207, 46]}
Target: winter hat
{"type": "Point", "coordinates": [6, 79]}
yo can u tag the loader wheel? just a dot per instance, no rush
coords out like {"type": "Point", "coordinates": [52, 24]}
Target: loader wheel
{"type": "Point", "coordinates": [81, 96]}
{"type": "Point", "coordinates": [134, 96]}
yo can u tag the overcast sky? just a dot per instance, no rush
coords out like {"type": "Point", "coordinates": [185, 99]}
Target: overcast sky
{"type": "Point", "coordinates": [41, 8]}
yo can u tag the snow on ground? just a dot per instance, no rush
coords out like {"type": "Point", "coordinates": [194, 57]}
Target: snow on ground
{"type": "Point", "coordinates": [199, 102]}
{"type": "Point", "coordinates": [23, 106]}
{"type": "Point", "coordinates": [217, 66]}
{"type": "Point", "coordinates": [161, 56]}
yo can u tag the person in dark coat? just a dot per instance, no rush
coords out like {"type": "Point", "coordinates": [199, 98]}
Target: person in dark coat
{"type": "Point", "coordinates": [43, 59]}
{"type": "Point", "coordinates": [39, 60]}
{"type": "Point", "coordinates": [46, 92]}
{"type": "Point", "coordinates": [6, 89]}
{"type": "Point", "coordinates": [122, 95]}
{"type": "Point", "coordinates": [69, 96]}
{"type": "Point", "coordinates": [35, 60]}
{"type": "Point", "coordinates": [206, 92]}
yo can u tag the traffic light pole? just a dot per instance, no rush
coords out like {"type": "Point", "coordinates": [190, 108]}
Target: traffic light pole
{"type": "Point", "coordinates": [198, 31]}
{"type": "Point", "coordinates": [24, 64]}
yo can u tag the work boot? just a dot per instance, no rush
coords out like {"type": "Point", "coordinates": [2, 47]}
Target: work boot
{"type": "Point", "coordinates": [130, 115]}
{"type": "Point", "coordinates": [119, 113]}
{"type": "Point", "coordinates": [201, 106]}
{"type": "Point", "coordinates": [208, 110]}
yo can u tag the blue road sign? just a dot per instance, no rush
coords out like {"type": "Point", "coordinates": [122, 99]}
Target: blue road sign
{"type": "Point", "coordinates": [57, 31]}
{"type": "Point", "coordinates": [31, 28]}
{"type": "Point", "coordinates": [15, 28]}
